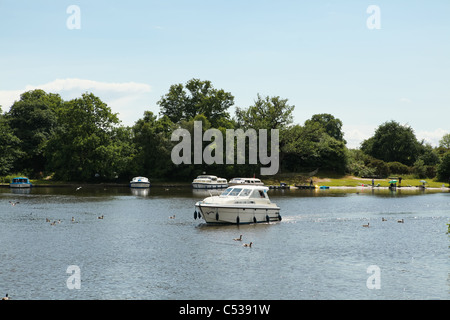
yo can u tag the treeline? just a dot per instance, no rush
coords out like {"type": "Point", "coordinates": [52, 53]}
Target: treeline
{"type": "Point", "coordinates": [83, 140]}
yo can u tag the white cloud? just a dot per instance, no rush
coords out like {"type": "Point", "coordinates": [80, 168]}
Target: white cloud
{"type": "Point", "coordinates": [129, 99]}
{"type": "Point", "coordinates": [431, 137]}
{"type": "Point", "coordinates": [61, 85]}
{"type": "Point", "coordinates": [355, 134]}
{"type": "Point", "coordinates": [405, 100]}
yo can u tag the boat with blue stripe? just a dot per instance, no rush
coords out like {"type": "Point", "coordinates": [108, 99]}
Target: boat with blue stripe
{"type": "Point", "coordinates": [20, 182]}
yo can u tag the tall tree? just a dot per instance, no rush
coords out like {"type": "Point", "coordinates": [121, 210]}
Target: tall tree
{"type": "Point", "coordinates": [266, 113]}
{"type": "Point", "coordinates": [194, 98]}
{"type": "Point", "coordinates": [443, 169]}
{"type": "Point", "coordinates": [310, 146]}
{"type": "Point", "coordinates": [332, 125]}
{"type": "Point", "coordinates": [445, 142]}
{"type": "Point", "coordinates": [393, 142]}
{"type": "Point", "coordinates": [9, 146]}
{"type": "Point", "coordinates": [33, 120]}
{"type": "Point", "coordinates": [83, 147]}
{"type": "Point", "coordinates": [151, 137]}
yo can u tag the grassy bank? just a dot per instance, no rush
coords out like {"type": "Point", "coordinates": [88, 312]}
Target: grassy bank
{"type": "Point", "coordinates": [335, 180]}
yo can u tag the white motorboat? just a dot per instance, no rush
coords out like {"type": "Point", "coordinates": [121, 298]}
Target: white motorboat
{"type": "Point", "coordinates": [238, 205]}
{"type": "Point", "coordinates": [20, 182]}
{"type": "Point", "coordinates": [209, 182]}
{"type": "Point", "coordinates": [140, 182]}
{"type": "Point", "coordinates": [247, 181]}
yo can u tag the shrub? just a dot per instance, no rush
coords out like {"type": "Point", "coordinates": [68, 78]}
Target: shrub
{"type": "Point", "coordinates": [398, 168]}
{"type": "Point", "coordinates": [381, 168]}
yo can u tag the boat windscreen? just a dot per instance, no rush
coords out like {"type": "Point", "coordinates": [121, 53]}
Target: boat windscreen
{"type": "Point", "coordinates": [245, 193]}
{"type": "Point", "coordinates": [226, 192]}
{"type": "Point", "coordinates": [235, 192]}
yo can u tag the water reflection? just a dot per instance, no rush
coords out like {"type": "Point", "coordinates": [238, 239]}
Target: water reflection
{"type": "Point", "coordinates": [21, 190]}
{"type": "Point", "coordinates": [140, 192]}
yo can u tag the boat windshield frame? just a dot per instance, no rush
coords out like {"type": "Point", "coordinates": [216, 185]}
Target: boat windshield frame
{"type": "Point", "coordinates": [243, 192]}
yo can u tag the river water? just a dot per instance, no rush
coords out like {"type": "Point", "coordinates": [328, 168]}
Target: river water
{"type": "Point", "coordinates": [320, 249]}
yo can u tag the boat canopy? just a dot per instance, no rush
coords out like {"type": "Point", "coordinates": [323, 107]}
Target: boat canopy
{"type": "Point", "coordinates": [213, 178]}
{"type": "Point", "coordinates": [20, 180]}
{"type": "Point", "coordinates": [245, 180]}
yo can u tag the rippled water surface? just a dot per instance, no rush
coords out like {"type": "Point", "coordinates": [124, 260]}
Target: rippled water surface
{"type": "Point", "coordinates": [318, 251]}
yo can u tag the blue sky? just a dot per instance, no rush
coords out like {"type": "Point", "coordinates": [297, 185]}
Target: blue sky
{"type": "Point", "coordinates": [318, 54]}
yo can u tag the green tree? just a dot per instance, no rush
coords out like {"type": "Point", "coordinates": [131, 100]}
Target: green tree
{"type": "Point", "coordinates": [33, 120]}
{"type": "Point", "coordinates": [310, 146]}
{"type": "Point", "coordinates": [429, 155]}
{"type": "Point", "coordinates": [445, 142]}
{"type": "Point", "coordinates": [332, 125]}
{"type": "Point", "coordinates": [83, 147]}
{"type": "Point", "coordinates": [194, 98]}
{"type": "Point", "coordinates": [393, 142]}
{"type": "Point", "coordinates": [151, 137]}
{"type": "Point", "coordinates": [9, 146]}
{"type": "Point", "coordinates": [443, 169]}
{"type": "Point", "coordinates": [266, 113]}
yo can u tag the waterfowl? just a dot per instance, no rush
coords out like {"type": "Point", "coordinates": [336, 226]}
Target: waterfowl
{"type": "Point", "coordinates": [238, 239]}
{"type": "Point", "coordinates": [73, 219]}
{"type": "Point", "coordinates": [400, 221]}
{"type": "Point", "coordinates": [366, 225]}
{"type": "Point", "coordinates": [383, 219]}
{"type": "Point", "coordinates": [14, 203]}
{"type": "Point", "coordinates": [101, 217]}
{"type": "Point", "coordinates": [172, 217]}
{"type": "Point", "coordinates": [47, 220]}
{"type": "Point", "coordinates": [5, 297]}
{"type": "Point", "coordinates": [78, 188]}
{"type": "Point", "coordinates": [248, 244]}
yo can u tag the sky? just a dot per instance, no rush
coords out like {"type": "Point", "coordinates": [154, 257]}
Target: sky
{"type": "Point", "coordinates": [363, 65]}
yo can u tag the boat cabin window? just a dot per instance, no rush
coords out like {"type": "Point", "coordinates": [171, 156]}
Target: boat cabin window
{"type": "Point", "coordinates": [226, 192]}
{"type": "Point", "coordinates": [235, 192]}
{"type": "Point", "coordinates": [245, 193]}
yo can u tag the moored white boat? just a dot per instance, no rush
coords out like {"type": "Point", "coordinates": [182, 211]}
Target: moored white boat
{"type": "Point", "coordinates": [20, 182]}
{"type": "Point", "coordinates": [238, 205]}
{"type": "Point", "coordinates": [209, 182]}
{"type": "Point", "coordinates": [247, 181]}
{"type": "Point", "coordinates": [139, 182]}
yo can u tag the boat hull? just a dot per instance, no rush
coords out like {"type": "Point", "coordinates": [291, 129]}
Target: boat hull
{"type": "Point", "coordinates": [200, 185]}
{"type": "Point", "coordinates": [222, 214]}
{"type": "Point", "coordinates": [20, 185]}
{"type": "Point", "coordinates": [140, 185]}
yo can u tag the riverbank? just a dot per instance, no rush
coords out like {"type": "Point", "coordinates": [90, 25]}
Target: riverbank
{"type": "Point", "coordinates": [347, 182]}
{"type": "Point", "coordinates": [350, 181]}
{"type": "Point", "coordinates": [325, 179]}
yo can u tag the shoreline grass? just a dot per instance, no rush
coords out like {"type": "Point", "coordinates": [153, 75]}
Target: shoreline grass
{"type": "Point", "coordinates": [335, 180]}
